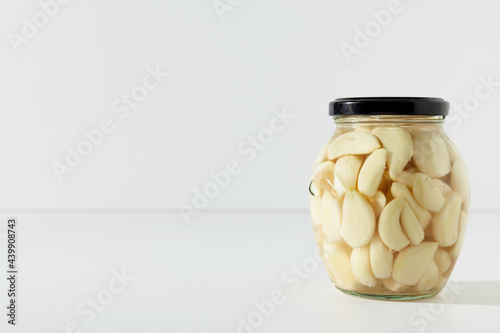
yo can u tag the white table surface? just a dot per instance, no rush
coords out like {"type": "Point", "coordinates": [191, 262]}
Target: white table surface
{"type": "Point", "coordinates": [203, 276]}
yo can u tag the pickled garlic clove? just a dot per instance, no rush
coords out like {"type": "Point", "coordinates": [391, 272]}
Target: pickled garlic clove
{"type": "Point", "coordinates": [411, 263]}
{"type": "Point", "coordinates": [346, 172]}
{"type": "Point", "coordinates": [406, 177]}
{"type": "Point", "coordinates": [364, 128]}
{"type": "Point", "coordinates": [353, 143]}
{"type": "Point", "coordinates": [371, 172]}
{"type": "Point", "coordinates": [378, 202]}
{"type": "Point", "coordinates": [411, 225]}
{"type": "Point", "coordinates": [459, 180]}
{"type": "Point", "coordinates": [315, 208]}
{"type": "Point", "coordinates": [322, 154]}
{"type": "Point", "coordinates": [318, 235]}
{"type": "Point", "coordinates": [399, 145]}
{"type": "Point", "coordinates": [452, 150]}
{"type": "Point", "coordinates": [454, 250]}
{"type": "Point", "coordinates": [442, 186]}
{"type": "Point", "coordinates": [426, 194]}
{"type": "Point", "coordinates": [389, 226]}
{"type": "Point", "coordinates": [360, 266]}
{"type": "Point", "coordinates": [431, 155]}
{"type": "Point", "coordinates": [429, 279]}
{"type": "Point", "coordinates": [443, 261]}
{"type": "Point", "coordinates": [423, 215]}
{"type": "Point", "coordinates": [445, 223]}
{"type": "Point", "coordinates": [338, 261]}
{"type": "Point", "coordinates": [381, 258]}
{"type": "Point", "coordinates": [394, 285]}
{"type": "Point", "coordinates": [331, 217]}
{"type": "Point", "coordinates": [358, 220]}
{"type": "Point", "coordinates": [322, 178]}
{"type": "Point", "coordinates": [324, 168]}
{"type": "Point", "coordinates": [441, 281]}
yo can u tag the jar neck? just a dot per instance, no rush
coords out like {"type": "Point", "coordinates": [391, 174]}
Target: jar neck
{"type": "Point", "coordinates": [380, 119]}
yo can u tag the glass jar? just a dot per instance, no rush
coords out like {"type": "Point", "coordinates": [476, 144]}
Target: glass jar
{"type": "Point", "coordinates": [389, 198]}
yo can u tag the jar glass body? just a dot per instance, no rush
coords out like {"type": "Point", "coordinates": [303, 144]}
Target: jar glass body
{"type": "Point", "coordinates": [389, 200]}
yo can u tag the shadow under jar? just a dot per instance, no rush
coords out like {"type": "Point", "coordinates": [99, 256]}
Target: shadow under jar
{"type": "Point", "coordinates": [389, 198]}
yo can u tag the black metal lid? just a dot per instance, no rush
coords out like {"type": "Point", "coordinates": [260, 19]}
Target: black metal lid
{"type": "Point", "coordinates": [358, 106]}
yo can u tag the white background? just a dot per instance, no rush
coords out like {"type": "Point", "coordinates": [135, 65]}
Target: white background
{"type": "Point", "coordinates": [225, 78]}
{"type": "Point", "coordinates": [203, 277]}
{"type": "Point", "coordinates": [119, 209]}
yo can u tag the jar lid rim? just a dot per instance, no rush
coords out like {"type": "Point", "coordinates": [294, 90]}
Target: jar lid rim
{"type": "Point", "coordinates": [425, 106]}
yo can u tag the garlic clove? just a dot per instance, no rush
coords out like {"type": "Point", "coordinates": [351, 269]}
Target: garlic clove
{"type": "Point", "coordinates": [346, 172]}
{"type": "Point", "coordinates": [378, 202]}
{"type": "Point", "coordinates": [431, 155]}
{"type": "Point", "coordinates": [459, 180]}
{"type": "Point", "coordinates": [429, 279]}
{"type": "Point", "coordinates": [454, 250]}
{"type": "Point", "coordinates": [389, 226]}
{"type": "Point", "coordinates": [399, 145]}
{"type": "Point", "coordinates": [371, 172]}
{"type": "Point", "coordinates": [381, 258]}
{"type": "Point", "coordinates": [331, 217]}
{"type": "Point", "coordinates": [411, 225]}
{"type": "Point", "coordinates": [443, 261]}
{"type": "Point", "coordinates": [423, 215]}
{"type": "Point", "coordinates": [445, 223]}
{"type": "Point", "coordinates": [337, 258]}
{"type": "Point", "coordinates": [353, 143]}
{"type": "Point", "coordinates": [426, 194]}
{"type": "Point", "coordinates": [411, 263]}
{"type": "Point", "coordinates": [360, 266]}
{"type": "Point", "coordinates": [358, 220]}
